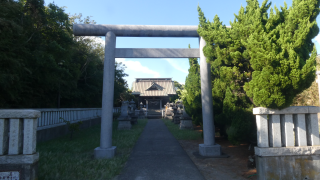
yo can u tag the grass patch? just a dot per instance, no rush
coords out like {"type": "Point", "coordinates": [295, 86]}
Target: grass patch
{"type": "Point", "coordinates": [182, 134]}
{"type": "Point", "coordinates": [67, 159]}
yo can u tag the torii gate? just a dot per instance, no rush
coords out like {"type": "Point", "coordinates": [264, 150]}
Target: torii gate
{"type": "Point", "coordinates": [106, 150]}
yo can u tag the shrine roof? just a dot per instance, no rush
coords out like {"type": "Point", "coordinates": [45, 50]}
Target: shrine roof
{"type": "Point", "coordinates": [153, 87]}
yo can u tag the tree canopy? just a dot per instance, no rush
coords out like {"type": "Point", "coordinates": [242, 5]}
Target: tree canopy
{"type": "Point", "coordinates": [179, 87]}
{"type": "Point", "coordinates": [43, 65]}
{"type": "Point", "coordinates": [191, 95]}
{"type": "Point", "coordinates": [268, 58]}
{"type": "Point", "coordinates": [264, 59]}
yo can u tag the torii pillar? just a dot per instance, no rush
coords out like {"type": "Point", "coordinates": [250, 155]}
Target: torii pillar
{"type": "Point", "coordinates": [209, 148]}
{"type": "Point", "coordinates": [106, 150]}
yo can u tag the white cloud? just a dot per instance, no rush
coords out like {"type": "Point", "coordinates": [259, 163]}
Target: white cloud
{"type": "Point", "coordinates": [97, 40]}
{"type": "Point", "coordinates": [136, 66]}
{"type": "Point", "coordinates": [175, 64]}
{"type": "Point", "coordinates": [100, 41]}
{"type": "Point", "coordinates": [317, 38]}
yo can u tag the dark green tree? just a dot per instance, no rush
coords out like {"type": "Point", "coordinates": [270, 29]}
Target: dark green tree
{"type": "Point", "coordinates": [42, 65]}
{"type": "Point", "coordinates": [310, 96]}
{"type": "Point", "coordinates": [262, 60]}
{"type": "Point", "coordinates": [12, 51]}
{"type": "Point", "coordinates": [191, 95]}
{"type": "Point", "coordinates": [41, 42]}
{"type": "Point", "coordinates": [179, 87]}
{"type": "Point", "coordinates": [282, 54]}
{"type": "Point", "coordinates": [88, 56]}
{"type": "Point", "coordinates": [121, 90]}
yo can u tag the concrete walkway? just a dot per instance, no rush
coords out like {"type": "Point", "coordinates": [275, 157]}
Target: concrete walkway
{"type": "Point", "coordinates": [158, 155]}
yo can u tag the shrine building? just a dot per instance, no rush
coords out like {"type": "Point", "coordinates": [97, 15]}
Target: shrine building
{"type": "Point", "coordinates": [153, 92]}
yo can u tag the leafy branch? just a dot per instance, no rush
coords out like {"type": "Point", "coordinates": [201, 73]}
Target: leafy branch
{"type": "Point", "coordinates": [73, 127]}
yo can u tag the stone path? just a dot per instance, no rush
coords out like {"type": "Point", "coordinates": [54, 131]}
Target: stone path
{"type": "Point", "coordinates": [158, 155]}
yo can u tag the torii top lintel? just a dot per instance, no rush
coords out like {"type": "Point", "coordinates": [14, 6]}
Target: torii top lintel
{"type": "Point", "coordinates": [135, 30]}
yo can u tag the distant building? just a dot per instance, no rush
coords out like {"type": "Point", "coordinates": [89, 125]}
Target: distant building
{"type": "Point", "coordinates": [153, 92]}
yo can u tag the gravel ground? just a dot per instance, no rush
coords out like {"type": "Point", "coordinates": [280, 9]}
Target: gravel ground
{"type": "Point", "coordinates": [237, 166]}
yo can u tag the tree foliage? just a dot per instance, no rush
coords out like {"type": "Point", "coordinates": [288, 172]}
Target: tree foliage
{"type": "Point", "coordinates": [262, 60]}
{"type": "Point", "coordinates": [179, 87]}
{"type": "Point", "coordinates": [121, 90]}
{"type": "Point", "coordinates": [310, 96]}
{"type": "Point", "coordinates": [191, 95]}
{"type": "Point", "coordinates": [42, 64]}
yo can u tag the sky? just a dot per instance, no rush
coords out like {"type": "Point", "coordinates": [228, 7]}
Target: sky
{"type": "Point", "coordinates": [164, 12]}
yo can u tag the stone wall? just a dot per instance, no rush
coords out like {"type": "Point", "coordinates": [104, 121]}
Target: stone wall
{"type": "Point", "coordinates": [58, 131]}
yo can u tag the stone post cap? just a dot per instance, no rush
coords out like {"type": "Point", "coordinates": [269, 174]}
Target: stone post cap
{"type": "Point", "coordinates": [288, 110]}
{"type": "Point", "coordinates": [19, 113]}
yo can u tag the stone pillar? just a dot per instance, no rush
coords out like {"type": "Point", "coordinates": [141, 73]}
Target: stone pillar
{"type": "Point", "coordinates": [209, 148]}
{"type": "Point", "coordinates": [287, 137]}
{"type": "Point", "coordinates": [318, 81]}
{"type": "Point", "coordinates": [147, 104]}
{"type": "Point", "coordinates": [288, 155]}
{"type": "Point", "coordinates": [274, 128]}
{"type": "Point", "coordinates": [15, 135]}
{"type": "Point", "coordinates": [300, 129]}
{"type": "Point", "coordinates": [106, 150]}
{"type": "Point", "coordinates": [124, 119]}
{"type": "Point", "coordinates": [136, 112]}
{"type": "Point", "coordinates": [312, 130]}
{"type": "Point", "coordinates": [18, 132]}
{"type": "Point", "coordinates": [262, 130]}
{"type": "Point", "coordinates": [185, 120]}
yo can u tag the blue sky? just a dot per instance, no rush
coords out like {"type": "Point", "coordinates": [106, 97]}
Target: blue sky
{"type": "Point", "coordinates": [164, 12]}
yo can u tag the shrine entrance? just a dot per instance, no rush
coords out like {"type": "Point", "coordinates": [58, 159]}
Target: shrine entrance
{"type": "Point", "coordinates": [106, 150]}
{"type": "Point", "coordinates": [154, 104]}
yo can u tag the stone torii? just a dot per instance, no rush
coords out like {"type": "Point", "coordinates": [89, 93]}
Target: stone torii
{"type": "Point", "coordinates": [106, 150]}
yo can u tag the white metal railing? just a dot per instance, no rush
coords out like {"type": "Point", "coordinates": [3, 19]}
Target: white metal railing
{"type": "Point", "coordinates": [295, 126]}
{"type": "Point", "coordinates": [52, 117]}
{"type": "Point", "coordinates": [116, 109]}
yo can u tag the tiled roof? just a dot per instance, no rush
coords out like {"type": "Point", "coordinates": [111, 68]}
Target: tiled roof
{"type": "Point", "coordinates": [165, 87]}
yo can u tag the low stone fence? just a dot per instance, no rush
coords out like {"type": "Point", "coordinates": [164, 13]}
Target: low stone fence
{"type": "Point", "coordinates": [288, 143]}
{"type": "Point", "coordinates": [18, 156]}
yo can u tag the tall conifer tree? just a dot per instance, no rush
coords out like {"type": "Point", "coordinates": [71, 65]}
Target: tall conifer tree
{"type": "Point", "coordinates": [262, 60]}
{"type": "Point", "coordinates": [192, 95]}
